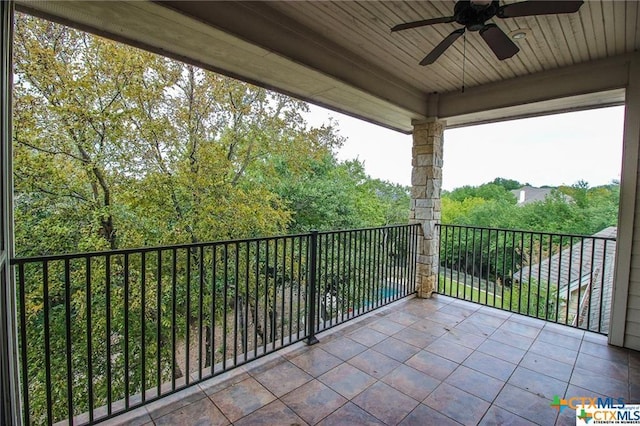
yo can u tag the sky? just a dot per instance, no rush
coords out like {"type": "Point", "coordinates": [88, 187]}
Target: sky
{"type": "Point", "coordinates": [552, 150]}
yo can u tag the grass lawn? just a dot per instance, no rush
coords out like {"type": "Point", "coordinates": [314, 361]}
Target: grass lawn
{"type": "Point", "coordinates": [472, 293]}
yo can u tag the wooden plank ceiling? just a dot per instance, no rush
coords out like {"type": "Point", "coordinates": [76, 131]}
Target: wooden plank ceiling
{"type": "Point", "coordinates": [600, 29]}
{"type": "Point", "coordinates": [342, 54]}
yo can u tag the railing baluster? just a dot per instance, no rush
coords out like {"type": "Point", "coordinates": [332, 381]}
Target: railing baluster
{"type": "Point", "coordinates": [236, 289]}
{"type": "Point", "coordinates": [245, 337]}
{"type": "Point", "coordinates": [174, 289]}
{"type": "Point", "coordinates": [593, 255]}
{"type": "Point", "coordinates": [159, 323]}
{"type": "Point", "coordinates": [200, 307]}
{"type": "Point", "coordinates": [256, 303]}
{"type": "Point", "coordinates": [282, 286]}
{"type": "Point", "coordinates": [602, 281]}
{"type": "Point", "coordinates": [291, 280]}
{"type": "Point", "coordinates": [108, 330]}
{"type": "Point", "coordinates": [214, 290]}
{"type": "Point", "coordinates": [540, 242]}
{"type": "Point", "coordinates": [225, 304]}
{"type": "Point", "coordinates": [311, 297]}
{"type": "Point", "coordinates": [126, 331]}
{"type": "Point", "coordinates": [23, 344]}
{"type": "Point", "coordinates": [187, 317]}
{"type": "Point", "coordinates": [143, 326]}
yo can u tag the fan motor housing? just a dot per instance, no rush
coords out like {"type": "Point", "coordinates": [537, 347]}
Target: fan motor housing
{"type": "Point", "coordinates": [473, 16]}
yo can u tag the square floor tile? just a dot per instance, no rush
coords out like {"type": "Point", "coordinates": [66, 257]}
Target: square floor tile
{"type": "Point", "coordinates": [554, 352]}
{"type": "Point", "coordinates": [607, 368]}
{"type": "Point", "coordinates": [414, 337]}
{"type": "Point", "coordinates": [458, 310]}
{"type": "Point", "coordinates": [174, 401]}
{"type": "Point", "coordinates": [562, 329]}
{"type": "Point", "coordinates": [282, 378]}
{"type": "Point", "coordinates": [600, 339]}
{"type": "Point", "coordinates": [449, 350]}
{"type": "Point", "coordinates": [386, 326]}
{"type": "Point", "coordinates": [560, 339]}
{"type": "Point", "coordinates": [607, 352]}
{"type": "Point", "coordinates": [537, 383]}
{"type": "Point", "coordinates": [242, 398]}
{"type": "Point", "coordinates": [521, 329]}
{"type": "Point", "coordinates": [385, 403]}
{"type": "Point", "coordinates": [316, 361]}
{"type": "Point", "coordinates": [499, 416]}
{"type": "Point", "coordinates": [224, 381]}
{"type": "Point", "coordinates": [526, 404]}
{"type": "Point", "coordinates": [202, 412]}
{"type": "Point", "coordinates": [374, 363]}
{"type": "Point", "coordinates": [423, 415]}
{"type": "Point", "coordinates": [347, 380]}
{"type": "Point", "coordinates": [367, 336]}
{"type": "Point", "coordinates": [446, 320]}
{"type": "Point", "coordinates": [343, 347]}
{"type": "Point", "coordinates": [313, 401]}
{"type": "Point", "coordinates": [429, 327]}
{"type": "Point", "coordinates": [460, 337]}
{"type": "Point", "coordinates": [594, 381]}
{"type": "Point", "coordinates": [433, 365]}
{"type": "Point", "coordinates": [475, 328]}
{"type": "Point", "coordinates": [490, 366]}
{"type": "Point", "coordinates": [411, 382]}
{"type": "Point", "coordinates": [275, 413]}
{"type": "Point", "coordinates": [475, 383]}
{"type": "Point", "coordinates": [396, 349]}
{"type": "Point", "coordinates": [457, 404]}
{"type": "Point", "coordinates": [483, 318]}
{"type": "Point", "coordinates": [350, 414]}
{"type": "Point", "coordinates": [403, 318]}
{"type": "Point", "coordinates": [523, 319]}
{"type": "Point", "coordinates": [511, 339]}
{"type": "Point", "coordinates": [547, 366]}
{"type": "Point", "coordinates": [501, 351]}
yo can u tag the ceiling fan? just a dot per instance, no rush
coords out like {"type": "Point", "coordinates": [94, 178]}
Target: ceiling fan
{"type": "Point", "coordinates": [473, 14]}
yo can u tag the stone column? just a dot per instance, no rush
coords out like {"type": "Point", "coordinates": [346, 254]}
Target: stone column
{"type": "Point", "coordinates": [426, 182]}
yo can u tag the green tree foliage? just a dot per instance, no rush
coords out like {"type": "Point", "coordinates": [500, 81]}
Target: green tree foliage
{"type": "Point", "coordinates": [575, 209]}
{"type": "Point", "coordinates": [327, 195]}
{"type": "Point", "coordinates": [508, 184]}
{"type": "Point", "coordinates": [117, 148]}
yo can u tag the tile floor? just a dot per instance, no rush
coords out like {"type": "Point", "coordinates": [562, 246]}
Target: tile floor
{"type": "Point", "coordinates": [438, 361]}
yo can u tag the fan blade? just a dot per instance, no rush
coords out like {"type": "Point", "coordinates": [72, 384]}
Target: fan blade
{"type": "Point", "coordinates": [407, 25]}
{"type": "Point", "coordinates": [439, 49]}
{"type": "Point", "coordinates": [529, 8]}
{"type": "Point", "coordinates": [498, 41]}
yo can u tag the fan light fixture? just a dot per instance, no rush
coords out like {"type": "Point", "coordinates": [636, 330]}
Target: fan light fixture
{"type": "Point", "coordinates": [520, 34]}
{"type": "Point", "coordinates": [478, 15]}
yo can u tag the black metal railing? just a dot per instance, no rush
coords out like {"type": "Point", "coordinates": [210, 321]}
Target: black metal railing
{"type": "Point", "coordinates": [105, 332]}
{"type": "Point", "coordinates": [561, 278]}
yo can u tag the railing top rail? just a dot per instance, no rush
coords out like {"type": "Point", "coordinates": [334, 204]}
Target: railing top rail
{"type": "Point", "coordinates": [138, 250]}
{"type": "Point", "coordinates": [524, 231]}
{"type": "Point", "coordinates": [375, 228]}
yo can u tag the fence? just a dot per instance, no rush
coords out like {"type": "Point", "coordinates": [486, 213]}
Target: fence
{"type": "Point", "coordinates": [561, 278]}
{"type": "Point", "coordinates": [105, 332]}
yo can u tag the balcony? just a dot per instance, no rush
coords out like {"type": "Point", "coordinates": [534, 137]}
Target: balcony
{"type": "Point", "coordinates": [226, 332]}
{"type": "Point", "coordinates": [417, 361]}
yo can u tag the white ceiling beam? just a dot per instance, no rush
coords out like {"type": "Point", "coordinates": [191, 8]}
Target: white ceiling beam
{"type": "Point", "coordinates": [588, 85]}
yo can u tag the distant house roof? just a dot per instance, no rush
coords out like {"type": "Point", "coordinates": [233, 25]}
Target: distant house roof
{"type": "Point", "coordinates": [530, 194]}
{"type": "Point", "coordinates": [587, 263]}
